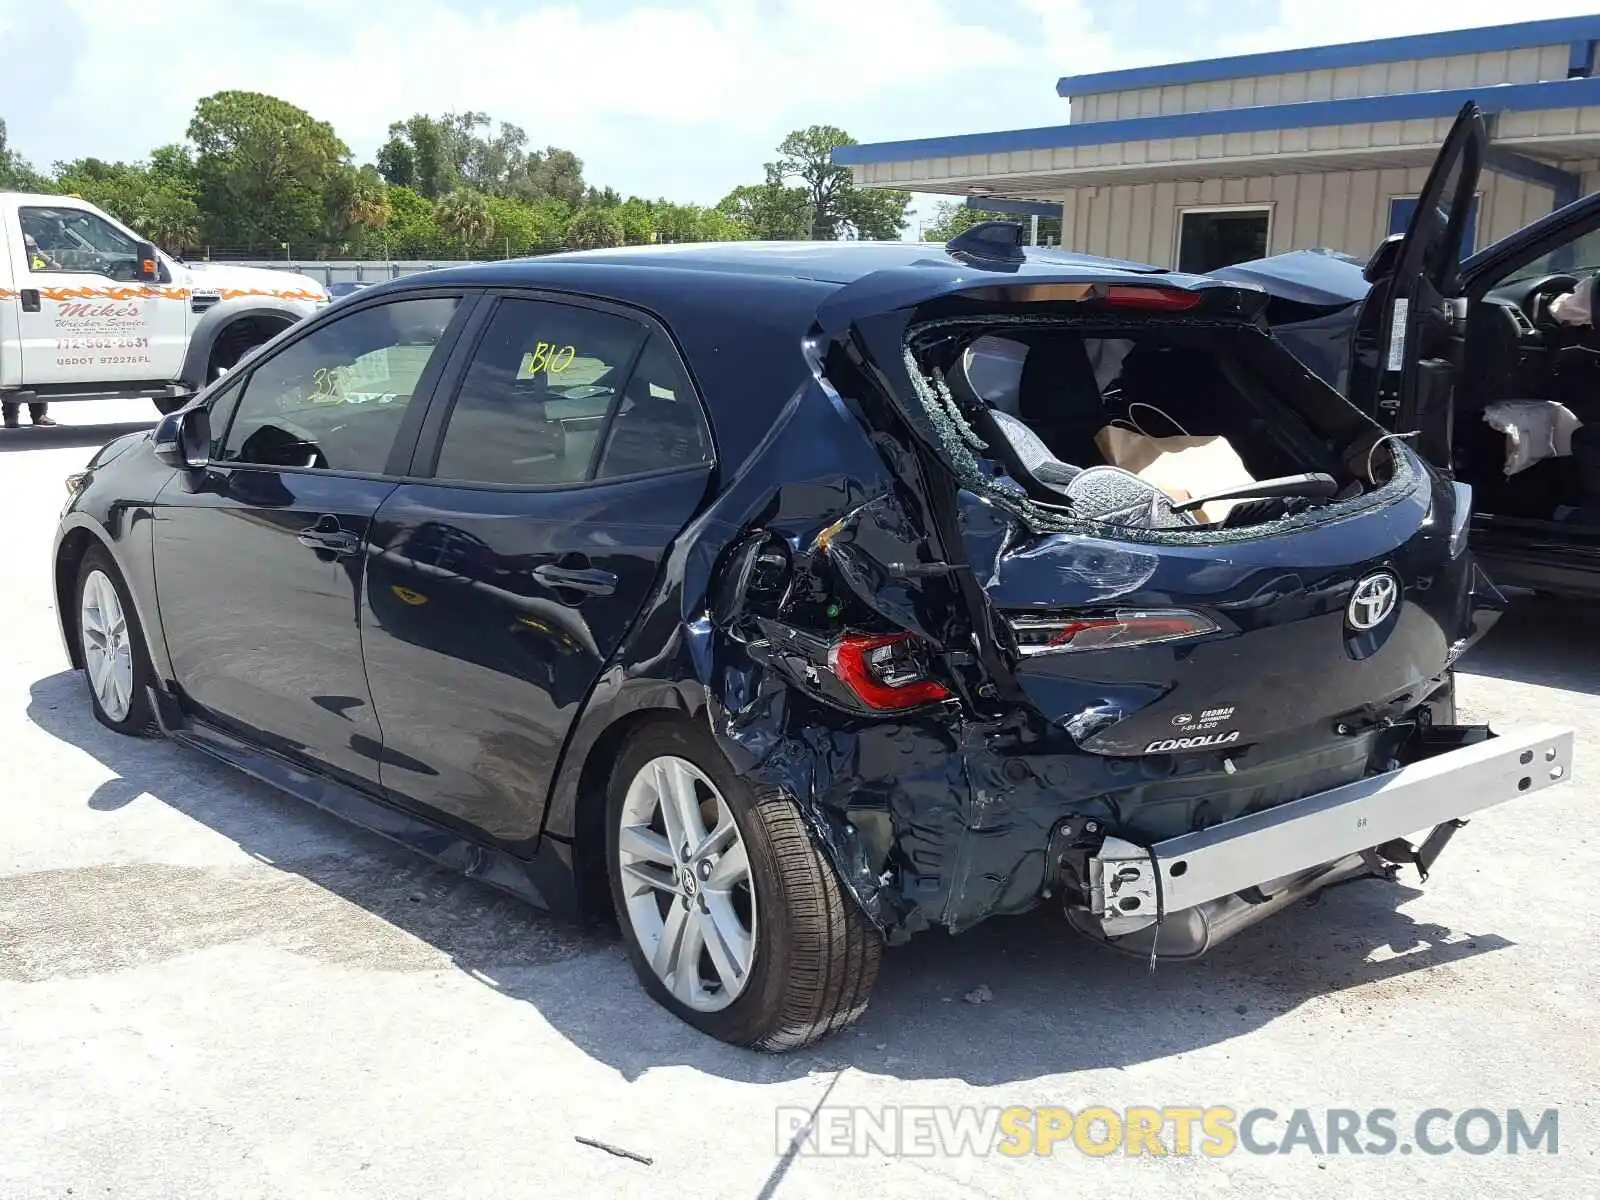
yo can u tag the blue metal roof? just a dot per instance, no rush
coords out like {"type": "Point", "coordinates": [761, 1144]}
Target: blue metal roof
{"type": "Point", "coordinates": [1348, 54]}
{"type": "Point", "coordinates": [1505, 97]}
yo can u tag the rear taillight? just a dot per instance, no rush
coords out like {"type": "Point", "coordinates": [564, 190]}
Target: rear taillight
{"type": "Point", "coordinates": [1159, 299]}
{"type": "Point", "coordinates": [885, 671]}
{"type": "Point", "coordinates": [1105, 631]}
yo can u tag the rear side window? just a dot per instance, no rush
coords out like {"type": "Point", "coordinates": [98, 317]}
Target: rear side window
{"type": "Point", "coordinates": [534, 404]}
{"type": "Point", "coordinates": [658, 423]}
{"type": "Point", "coordinates": [560, 395]}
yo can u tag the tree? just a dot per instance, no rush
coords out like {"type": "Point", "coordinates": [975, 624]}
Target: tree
{"type": "Point", "coordinates": [16, 175]}
{"type": "Point", "coordinates": [263, 167]}
{"type": "Point", "coordinates": [258, 172]}
{"type": "Point", "coordinates": [837, 208]}
{"type": "Point", "coordinates": [412, 231]}
{"type": "Point", "coordinates": [692, 223]}
{"type": "Point", "coordinates": [768, 211]}
{"type": "Point", "coordinates": [594, 226]}
{"type": "Point", "coordinates": [489, 163]}
{"type": "Point", "coordinates": [435, 155]}
{"type": "Point", "coordinates": [415, 156]}
{"type": "Point", "coordinates": [550, 174]}
{"type": "Point", "coordinates": [872, 214]}
{"type": "Point", "coordinates": [463, 215]}
{"type": "Point", "coordinates": [951, 217]}
{"type": "Point", "coordinates": [637, 218]}
{"type": "Point", "coordinates": [520, 228]}
{"type": "Point", "coordinates": [356, 204]}
{"type": "Point", "coordinates": [156, 199]}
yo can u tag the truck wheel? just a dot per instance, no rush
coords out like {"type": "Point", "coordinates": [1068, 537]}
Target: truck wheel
{"type": "Point", "coordinates": [114, 655]}
{"type": "Point", "coordinates": [171, 404]}
{"type": "Point", "coordinates": [733, 920]}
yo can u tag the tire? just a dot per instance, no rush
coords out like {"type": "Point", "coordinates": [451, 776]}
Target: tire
{"type": "Point", "coordinates": [813, 957]}
{"type": "Point", "coordinates": [166, 405]}
{"type": "Point", "coordinates": [126, 707]}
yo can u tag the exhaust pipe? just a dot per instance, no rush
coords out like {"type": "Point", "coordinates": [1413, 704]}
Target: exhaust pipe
{"type": "Point", "coordinates": [1191, 932]}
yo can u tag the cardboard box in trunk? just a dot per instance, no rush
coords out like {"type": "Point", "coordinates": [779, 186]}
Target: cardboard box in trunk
{"type": "Point", "coordinates": [1183, 467]}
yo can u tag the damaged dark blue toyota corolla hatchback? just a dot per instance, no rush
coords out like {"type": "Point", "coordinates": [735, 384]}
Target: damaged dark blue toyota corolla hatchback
{"type": "Point", "coordinates": [778, 598]}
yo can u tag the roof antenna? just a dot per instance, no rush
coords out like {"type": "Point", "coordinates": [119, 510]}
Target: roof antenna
{"type": "Point", "coordinates": [993, 241]}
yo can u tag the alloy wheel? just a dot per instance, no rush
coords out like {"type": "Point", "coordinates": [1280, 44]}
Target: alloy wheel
{"type": "Point", "coordinates": [686, 883]}
{"type": "Point", "coordinates": [107, 646]}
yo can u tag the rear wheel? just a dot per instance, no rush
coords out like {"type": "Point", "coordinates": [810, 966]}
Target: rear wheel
{"type": "Point", "coordinates": [732, 918]}
{"type": "Point", "coordinates": [114, 656]}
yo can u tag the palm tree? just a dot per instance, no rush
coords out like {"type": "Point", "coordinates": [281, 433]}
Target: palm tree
{"type": "Point", "coordinates": [464, 214]}
{"type": "Point", "coordinates": [593, 226]}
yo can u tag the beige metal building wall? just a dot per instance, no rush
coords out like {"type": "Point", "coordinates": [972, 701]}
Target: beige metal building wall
{"type": "Point", "coordinates": [1530, 65]}
{"type": "Point", "coordinates": [1336, 210]}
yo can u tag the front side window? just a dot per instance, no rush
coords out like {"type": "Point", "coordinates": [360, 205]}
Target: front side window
{"type": "Point", "coordinates": [534, 403]}
{"type": "Point", "coordinates": [1580, 256]}
{"type": "Point", "coordinates": [74, 240]}
{"type": "Point", "coordinates": [335, 399]}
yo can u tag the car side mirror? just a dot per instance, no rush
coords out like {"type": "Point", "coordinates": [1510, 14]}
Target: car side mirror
{"type": "Point", "coordinates": [1384, 258]}
{"type": "Point", "coordinates": [183, 439]}
{"type": "Point", "coordinates": [149, 264]}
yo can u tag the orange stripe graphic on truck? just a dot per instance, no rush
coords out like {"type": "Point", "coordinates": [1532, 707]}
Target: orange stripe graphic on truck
{"type": "Point", "coordinates": [275, 293]}
{"type": "Point", "coordinates": [114, 293]}
{"type": "Point", "coordinates": [144, 292]}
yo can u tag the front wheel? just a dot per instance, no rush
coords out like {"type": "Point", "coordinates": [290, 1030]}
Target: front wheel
{"type": "Point", "coordinates": [112, 643]}
{"type": "Point", "coordinates": [733, 919]}
{"type": "Point", "coordinates": [166, 405]}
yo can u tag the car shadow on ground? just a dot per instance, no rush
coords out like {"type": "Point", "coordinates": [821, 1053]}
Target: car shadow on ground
{"type": "Point", "coordinates": [1542, 640]}
{"type": "Point", "coordinates": [57, 437]}
{"type": "Point", "coordinates": [1053, 1002]}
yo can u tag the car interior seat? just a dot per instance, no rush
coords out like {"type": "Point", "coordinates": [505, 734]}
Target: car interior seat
{"type": "Point", "coordinates": [1099, 493]}
{"type": "Point", "coordinates": [1059, 396]}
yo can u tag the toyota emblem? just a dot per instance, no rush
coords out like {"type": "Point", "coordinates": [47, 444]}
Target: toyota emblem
{"type": "Point", "coordinates": [1372, 601]}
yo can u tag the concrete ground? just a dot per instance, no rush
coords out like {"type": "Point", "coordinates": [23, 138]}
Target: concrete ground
{"type": "Point", "coordinates": [209, 990]}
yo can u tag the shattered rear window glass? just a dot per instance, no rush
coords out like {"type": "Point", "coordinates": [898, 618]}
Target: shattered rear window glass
{"type": "Point", "coordinates": [964, 450]}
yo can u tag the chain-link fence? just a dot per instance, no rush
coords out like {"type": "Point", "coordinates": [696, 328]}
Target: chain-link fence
{"type": "Point", "coordinates": [332, 264]}
{"type": "Point", "coordinates": [347, 270]}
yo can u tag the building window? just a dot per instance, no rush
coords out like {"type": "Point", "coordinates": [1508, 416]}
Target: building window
{"type": "Point", "coordinates": [1209, 238]}
{"type": "Point", "coordinates": [1402, 207]}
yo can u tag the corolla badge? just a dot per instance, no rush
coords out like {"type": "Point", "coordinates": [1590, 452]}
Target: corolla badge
{"type": "Point", "coordinates": [1372, 601]}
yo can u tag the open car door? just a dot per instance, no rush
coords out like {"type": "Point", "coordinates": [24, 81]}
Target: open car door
{"type": "Point", "coordinates": [1409, 338]}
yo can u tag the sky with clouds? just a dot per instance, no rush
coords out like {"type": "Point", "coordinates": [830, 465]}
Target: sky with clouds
{"type": "Point", "coordinates": [676, 98]}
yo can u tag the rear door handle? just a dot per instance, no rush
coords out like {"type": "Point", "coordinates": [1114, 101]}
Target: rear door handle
{"type": "Point", "coordinates": [327, 535]}
{"type": "Point", "coordinates": [591, 581]}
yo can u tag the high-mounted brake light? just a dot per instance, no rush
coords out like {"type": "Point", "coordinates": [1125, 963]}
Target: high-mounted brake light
{"type": "Point", "coordinates": [1158, 299]}
{"type": "Point", "coordinates": [884, 671]}
{"type": "Point", "coordinates": [1124, 627]}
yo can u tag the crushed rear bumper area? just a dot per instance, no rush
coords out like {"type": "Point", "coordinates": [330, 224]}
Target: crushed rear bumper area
{"type": "Point", "coordinates": [1181, 896]}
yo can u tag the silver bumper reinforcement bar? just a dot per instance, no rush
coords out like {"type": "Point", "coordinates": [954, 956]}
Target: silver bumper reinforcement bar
{"type": "Point", "coordinates": [1280, 844]}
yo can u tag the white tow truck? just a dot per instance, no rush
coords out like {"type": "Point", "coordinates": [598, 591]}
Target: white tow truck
{"type": "Point", "coordinates": [90, 310]}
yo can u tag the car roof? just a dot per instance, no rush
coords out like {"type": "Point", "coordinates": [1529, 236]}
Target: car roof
{"type": "Point", "coordinates": [836, 263]}
{"type": "Point", "coordinates": [740, 310]}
